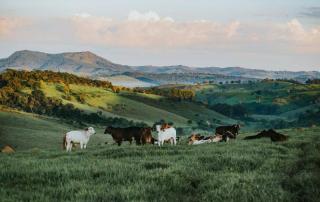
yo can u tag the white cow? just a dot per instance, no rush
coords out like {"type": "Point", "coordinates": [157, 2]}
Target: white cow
{"type": "Point", "coordinates": [166, 134]}
{"type": "Point", "coordinates": [82, 137]}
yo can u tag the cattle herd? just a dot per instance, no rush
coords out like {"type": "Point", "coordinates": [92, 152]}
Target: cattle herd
{"type": "Point", "coordinates": [165, 133]}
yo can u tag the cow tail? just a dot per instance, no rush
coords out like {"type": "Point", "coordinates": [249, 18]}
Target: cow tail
{"type": "Point", "coordinates": [64, 144]}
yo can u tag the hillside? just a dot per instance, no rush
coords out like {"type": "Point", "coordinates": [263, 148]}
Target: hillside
{"type": "Point", "coordinates": [67, 96]}
{"type": "Point", "coordinates": [266, 103]}
{"type": "Point", "coordinates": [38, 107]}
{"type": "Point", "coordinates": [260, 104]}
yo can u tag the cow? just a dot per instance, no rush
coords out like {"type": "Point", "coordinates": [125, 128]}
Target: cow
{"type": "Point", "coordinates": [272, 134]}
{"type": "Point", "coordinates": [233, 130]}
{"type": "Point", "coordinates": [166, 134]}
{"type": "Point", "coordinates": [196, 139]}
{"type": "Point", "coordinates": [139, 134]}
{"type": "Point", "coordinates": [82, 137]}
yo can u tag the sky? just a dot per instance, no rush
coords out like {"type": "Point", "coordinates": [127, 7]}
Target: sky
{"type": "Point", "coordinates": [260, 34]}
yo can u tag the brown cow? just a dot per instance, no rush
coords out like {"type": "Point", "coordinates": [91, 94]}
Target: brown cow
{"type": "Point", "coordinates": [272, 134]}
{"type": "Point", "coordinates": [139, 134]}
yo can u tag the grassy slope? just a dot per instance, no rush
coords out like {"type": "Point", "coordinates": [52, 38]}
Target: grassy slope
{"type": "Point", "coordinates": [137, 107]}
{"type": "Point", "coordinates": [26, 131]}
{"type": "Point", "coordinates": [293, 99]}
{"type": "Point", "coordinates": [111, 104]}
{"type": "Point", "coordinates": [193, 112]}
{"type": "Point", "coordinates": [239, 170]}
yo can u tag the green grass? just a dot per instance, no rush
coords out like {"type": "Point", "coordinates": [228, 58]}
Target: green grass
{"type": "Point", "coordinates": [239, 170]}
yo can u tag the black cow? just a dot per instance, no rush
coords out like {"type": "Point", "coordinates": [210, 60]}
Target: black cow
{"type": "Point", "coordinates": [272, 134]}
{"type": "Point", "coordinates": [230, 131]}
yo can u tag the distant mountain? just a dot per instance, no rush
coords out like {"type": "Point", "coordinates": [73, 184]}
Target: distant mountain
{"type": "Point", "coordinates": [89, 64]}
{"type": "Point", "coordinates": [184, 78]}
{"type": "Point", "coordinates": [75, 62]}
{"type": "Point", "coordinates": [232, 71]}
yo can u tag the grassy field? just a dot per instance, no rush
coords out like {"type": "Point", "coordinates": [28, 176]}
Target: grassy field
{"type": "Point", "coordinates": [239, 170]}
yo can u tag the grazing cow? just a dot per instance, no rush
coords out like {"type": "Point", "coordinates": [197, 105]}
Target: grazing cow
{"type": "Point", "coordinates": [233, 130]}
{"type": "Point", "coordinates": [167, 134]}
{"type": "Point", "coordinates": [272, 134]}
{"type": "Point", "coordinates": [139, 134]}
{"type": "Point", "coordinates": [81, 137]}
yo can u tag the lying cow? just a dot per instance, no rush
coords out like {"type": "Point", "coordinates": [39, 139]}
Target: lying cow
{"type": "Point", "coordinates": [272, 134]}
{"type": "Point", "coordinates": [233, 130]}
{"type": "Point", "coordinates": [166, 134]}
{"type": "Point", "coordinates": [82, 137]}
{"type": "Point", "coordinates": [196, 139]}
{"type": "Point", "coordinates": [139, 134]}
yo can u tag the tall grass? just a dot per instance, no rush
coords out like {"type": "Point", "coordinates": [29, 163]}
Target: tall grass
{"type": "Point", "coordinates": [239, 170]}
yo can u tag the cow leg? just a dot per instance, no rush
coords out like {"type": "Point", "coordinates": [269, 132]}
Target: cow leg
{"type": "Point", "coordinates": [85, 146]}
{"type": "Point", "coordinates": [81, 145]}
{"type": "Point", "coordinates": [119, 143]}
{"type": "Point", "coordinates": [175, 141]}
{"type": "Point", "coordinates": [69, 146]}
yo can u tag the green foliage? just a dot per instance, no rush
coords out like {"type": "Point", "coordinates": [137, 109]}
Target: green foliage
{"type": "Point", "coordinates": [15, 79]}
{"type": "Point", "coordinates": [235, 111]}
{"type": "Point", "coordinates": [172, 93]}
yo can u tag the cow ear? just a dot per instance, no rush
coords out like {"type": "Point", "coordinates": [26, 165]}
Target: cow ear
{"type": "Point", "coordinates": [86, 129]}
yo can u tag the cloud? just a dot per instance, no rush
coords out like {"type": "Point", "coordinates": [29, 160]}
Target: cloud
{"type": "Point", "coordinates": [148, 16]}
{"type": "Point", "coordinates": [151, 30]}
{"type": "Point", "coordinates": [232, 29]}
{"type": "Point", "coordinates": [8, 25]}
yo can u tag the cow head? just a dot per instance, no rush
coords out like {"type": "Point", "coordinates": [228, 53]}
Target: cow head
{"type": "Point", "coordinates": [237, 126]}
{"type": "Point", "coordinates": [90, 131]}
{"type": "Point", "coordinates": [108, 130]}
{"type": "Point", "coordinates": [158, 128]}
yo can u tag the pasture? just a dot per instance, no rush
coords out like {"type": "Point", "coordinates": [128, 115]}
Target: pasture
{"type": "Point", "coordinates": [239, 170]}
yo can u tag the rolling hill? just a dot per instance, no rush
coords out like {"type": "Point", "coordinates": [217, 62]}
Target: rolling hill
{"type": "Point", "coordinates": [83, 63]}
{"type": "Point", "coordinates": [62, 94]}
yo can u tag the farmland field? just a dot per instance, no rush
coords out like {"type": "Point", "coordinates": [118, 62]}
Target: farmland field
{"type": "Point", "coordinates": [239, 170]}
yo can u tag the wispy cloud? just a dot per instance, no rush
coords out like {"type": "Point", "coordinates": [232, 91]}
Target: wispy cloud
{"type": "Point", "coordinates": [150, 30]}
{"type": "Point", "coordinates": [9, 24]}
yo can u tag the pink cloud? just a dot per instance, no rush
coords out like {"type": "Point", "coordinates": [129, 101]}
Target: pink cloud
{"type": "Point", "coordinates": [7, 25]}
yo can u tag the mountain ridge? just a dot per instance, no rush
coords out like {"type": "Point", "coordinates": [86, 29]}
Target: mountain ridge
{"type": "Point", "coordinates": [90, 64]}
